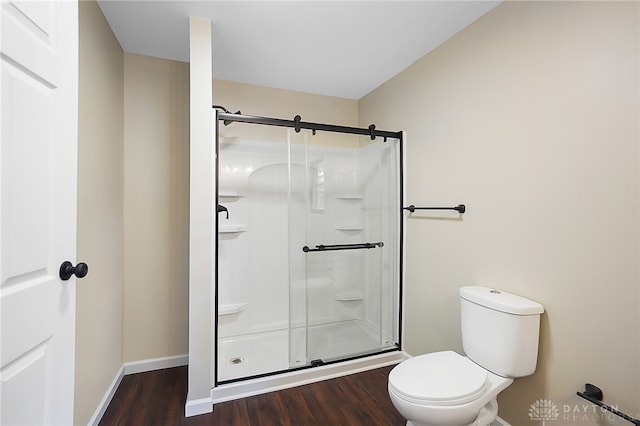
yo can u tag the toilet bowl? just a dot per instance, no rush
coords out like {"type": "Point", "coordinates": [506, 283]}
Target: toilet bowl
{"type": "Point", "coordinates": [500, 334]}
{"type": "Point", "coordinates": [445, 389]}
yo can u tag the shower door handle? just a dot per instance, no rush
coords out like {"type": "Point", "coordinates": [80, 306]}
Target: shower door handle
{"type": "Point", "coordinates": [330, 247]}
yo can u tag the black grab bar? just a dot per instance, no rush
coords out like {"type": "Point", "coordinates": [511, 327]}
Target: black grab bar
{"type": "Point", "coordinates": [330, 247]}
{"type": "Point", "coordinates": [460, 208]}
{"type": "Point", "coordinates": [594, 395]}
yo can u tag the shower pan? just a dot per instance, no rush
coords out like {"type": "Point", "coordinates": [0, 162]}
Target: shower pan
{"type": "Point", "coordinates": [308, 267]}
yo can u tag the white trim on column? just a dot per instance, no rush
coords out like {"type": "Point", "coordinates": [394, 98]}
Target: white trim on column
{"type": "Point", "coordinates": [198, 406]}
{"type": "Point", "coordinates": [201, 218]}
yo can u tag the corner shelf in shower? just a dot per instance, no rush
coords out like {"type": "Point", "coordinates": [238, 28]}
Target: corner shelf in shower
{"type": "Point", "coordinates": [353, 196]}
{"type": "Point", "coordinates": [348, 296]}
{"type": "Point", "coordinates": [231, 229]}
{"type": "Point", "coordinates": [231, 308]}
{"type": "Point", "coordinates": [230, 194]}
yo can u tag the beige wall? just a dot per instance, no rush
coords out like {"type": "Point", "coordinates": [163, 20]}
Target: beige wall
{"type": "Point", "coordinates": [156, 207]}
{"type": "Point", "coordinates": [530, 117]}
{"type": "Point", "coordinates": [284, 104]}
{"type": "Point", "coordinates": [100, 204]}
{"type": "Point", "coordinates": [132, 209]}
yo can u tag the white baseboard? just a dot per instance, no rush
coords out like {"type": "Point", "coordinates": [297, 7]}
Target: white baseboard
{"type": "Point", "coordinates": [106, 399]}
{"type": "Point", "coordinates": [155, 364]}
{"type": "Point", "coordinates": [198, 406]}
{"type": "Point", "coordinates": [133, 368]}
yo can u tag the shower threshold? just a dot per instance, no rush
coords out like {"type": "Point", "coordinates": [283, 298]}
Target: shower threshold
{"type": "Point", "coordinates": [275, 382]}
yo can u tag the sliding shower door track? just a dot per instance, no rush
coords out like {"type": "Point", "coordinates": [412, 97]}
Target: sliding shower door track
{"type": "Point", "coordinates": [313, 364]}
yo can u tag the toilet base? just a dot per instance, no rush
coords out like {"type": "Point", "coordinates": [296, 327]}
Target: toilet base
{"type": "Point", "coordinates": [486, 416]}
{"type": "Point", "coordinates": [488, 413]}
{"type": "Point", "coordinates": [410, 423]}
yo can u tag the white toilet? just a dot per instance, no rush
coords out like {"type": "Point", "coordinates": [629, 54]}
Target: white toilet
{"type": "Point", "coordinates": [500, 337]}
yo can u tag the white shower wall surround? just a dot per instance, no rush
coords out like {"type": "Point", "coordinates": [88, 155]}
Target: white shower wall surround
{"type": "Point", "coordinates": [279, 307]}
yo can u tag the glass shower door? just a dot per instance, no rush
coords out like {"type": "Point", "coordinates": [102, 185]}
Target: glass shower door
{"type": "Point", "coordinates": [343, 234]}
{"type": "Point", "coordinates": [280, 306]}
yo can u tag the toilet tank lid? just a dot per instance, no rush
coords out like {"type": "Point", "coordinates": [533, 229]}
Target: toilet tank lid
{"type": "Point", "coordinates": [500, 300]}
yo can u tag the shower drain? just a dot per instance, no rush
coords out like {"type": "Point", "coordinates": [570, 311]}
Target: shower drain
{"type": "Point", "coordinates": [236, 360]}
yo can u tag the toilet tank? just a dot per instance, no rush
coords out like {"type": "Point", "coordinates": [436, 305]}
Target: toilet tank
{"type": "Point", "coordinates": [500, 331]}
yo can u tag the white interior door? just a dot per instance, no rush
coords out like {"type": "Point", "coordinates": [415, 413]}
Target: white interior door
{"type": "Point", "coordinates": [38, 157]}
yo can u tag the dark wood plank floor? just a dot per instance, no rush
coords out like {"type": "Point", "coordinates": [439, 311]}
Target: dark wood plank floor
{"type": "Point", "coordinates": [158, 398]}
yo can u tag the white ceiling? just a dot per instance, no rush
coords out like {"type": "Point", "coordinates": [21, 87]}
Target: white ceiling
{"type": "Point", "coordinates": [335, 48]}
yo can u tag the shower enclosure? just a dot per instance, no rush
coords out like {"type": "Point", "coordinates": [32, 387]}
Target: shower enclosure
{"type": "Point", "coordinates": [309, 245]}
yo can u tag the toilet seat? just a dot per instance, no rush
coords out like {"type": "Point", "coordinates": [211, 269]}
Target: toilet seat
{"type": "Point", "coordinates": [439, 378]}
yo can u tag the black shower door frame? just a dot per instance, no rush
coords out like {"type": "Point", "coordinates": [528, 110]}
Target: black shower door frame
{"type": "Point", "coordinates": [226, 118]}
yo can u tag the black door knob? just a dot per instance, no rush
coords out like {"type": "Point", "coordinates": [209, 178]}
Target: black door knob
{"type": "Point", "coordinates": [67, 270]}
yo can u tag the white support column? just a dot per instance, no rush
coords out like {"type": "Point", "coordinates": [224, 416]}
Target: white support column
{"type": "Point", "coordinates": [201, 227]}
